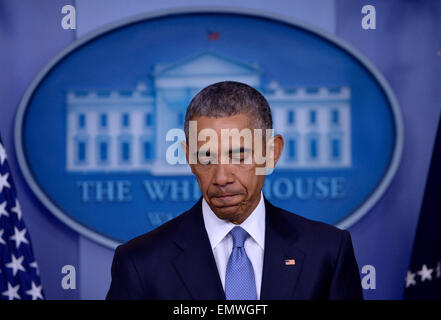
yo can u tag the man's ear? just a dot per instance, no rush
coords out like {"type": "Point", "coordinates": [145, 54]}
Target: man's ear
{"type": "Point", "coordinates": [275, 149]}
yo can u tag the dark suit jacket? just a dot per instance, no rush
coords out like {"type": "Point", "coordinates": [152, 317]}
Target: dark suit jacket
{"type": "Point", "coordinates": [175, 261]}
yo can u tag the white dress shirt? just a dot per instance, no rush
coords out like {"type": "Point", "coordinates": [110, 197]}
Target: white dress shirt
{"type": "Point", "coordinates": [222, 242]}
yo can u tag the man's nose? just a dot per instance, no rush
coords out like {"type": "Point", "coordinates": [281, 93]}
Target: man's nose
{"type": "Point", "coordinates": [223, 174]}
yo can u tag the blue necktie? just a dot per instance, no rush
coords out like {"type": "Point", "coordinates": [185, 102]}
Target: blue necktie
{"type": "Point", "coordinates": [240, 283]}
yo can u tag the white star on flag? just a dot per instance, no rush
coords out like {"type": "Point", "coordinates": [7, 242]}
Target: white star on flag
{"type": "Point", "coordinates": [16, 264]}
{"type": "Point", "coordinates": [425, 273]}
{"type": "Point", "coordinates": [17, 209]}
{"type": "Point", "coordinates": [12, 292]}
{"type": "Point", "coordinates": [2, 241]}
{"type": "Point", "coordinates": [18, 268]}
{"type": "Point", "coordinates": [3, 211]}
{"type": "Point", "coordinates": [410, 279]}
{"type": "Point", "coordinates": [2, 154]}
{"type": "Point", "coordinates": [4, 181]}
{"type": "Point", "coordinates": [35, 292]}
{"type": "Point", "coordinates": [19, 237]}
{"type": "Point", "coordinates": [35, 265]}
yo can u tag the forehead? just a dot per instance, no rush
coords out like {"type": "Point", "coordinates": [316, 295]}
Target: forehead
{"type": "Point", "coordinates": [237, 121]}
{"type": "Point", "coordinates": [242, 123]}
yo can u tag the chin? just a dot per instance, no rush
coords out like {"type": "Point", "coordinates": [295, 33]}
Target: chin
{"type": "Point", "coordinates": [228, 213]}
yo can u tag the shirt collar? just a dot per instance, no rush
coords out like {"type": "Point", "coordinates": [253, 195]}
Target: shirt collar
{"type": "Point", "coordinates": [217, 228]}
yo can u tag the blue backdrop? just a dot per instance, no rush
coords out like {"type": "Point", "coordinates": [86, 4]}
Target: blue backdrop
{"type": "Point", "coordinates": [403, 47]}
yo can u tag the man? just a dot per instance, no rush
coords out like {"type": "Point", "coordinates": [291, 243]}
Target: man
{"type": "Point", "coordinates": [233, 243]}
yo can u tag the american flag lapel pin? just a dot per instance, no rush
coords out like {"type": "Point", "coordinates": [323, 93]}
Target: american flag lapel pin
{"type": "Point", "coordinates": [290, 262]}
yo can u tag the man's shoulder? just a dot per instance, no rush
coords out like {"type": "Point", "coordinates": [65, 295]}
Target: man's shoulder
{"type": "Point", "coordinates": [308, 229]}
{"type": "Point", "coordinates": [158, 238]}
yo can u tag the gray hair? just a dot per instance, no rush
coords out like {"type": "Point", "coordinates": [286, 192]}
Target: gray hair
{"type": "Point", "coordinates": [228, 98]}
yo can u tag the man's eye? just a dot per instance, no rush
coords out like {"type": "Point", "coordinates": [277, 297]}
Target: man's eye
{"type": "Point", "coordinates": [205, 160]}
{"type": "Point", "coordinates": [238, 159]}
{"type": "Point", "coordinates": [241, 157]}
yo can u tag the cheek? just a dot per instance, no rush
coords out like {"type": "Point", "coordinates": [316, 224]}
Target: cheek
{"type": "Point", "coordinates": [203, 175]}
{"type": "Point", "coordinates": [246, 175]}
{"type": "Point", "coordinates": [248, 170]}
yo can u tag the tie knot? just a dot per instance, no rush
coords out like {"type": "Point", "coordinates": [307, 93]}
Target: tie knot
{"type": "Point", "coordinates": [239, 236]}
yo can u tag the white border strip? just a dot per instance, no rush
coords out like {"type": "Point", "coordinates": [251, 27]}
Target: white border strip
{"type": "Point", "coordinates": [78, 227]}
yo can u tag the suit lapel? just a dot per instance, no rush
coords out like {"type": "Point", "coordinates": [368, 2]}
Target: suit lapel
{"type": "Point", "coordinates": [279, 280]}
{"type": "Point", "coordinates": [195, 264]}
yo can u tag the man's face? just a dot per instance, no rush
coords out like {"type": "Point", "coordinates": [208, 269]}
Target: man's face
{"type": "Point", "coordinates": [231, 190]}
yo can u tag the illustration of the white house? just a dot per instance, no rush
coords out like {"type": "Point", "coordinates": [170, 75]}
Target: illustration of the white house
{"type": "Point", "coordinates": [111, 130]}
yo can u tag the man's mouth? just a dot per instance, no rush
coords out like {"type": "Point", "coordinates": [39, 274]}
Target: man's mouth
{"type": "Point", "coordinates": [227, 200]}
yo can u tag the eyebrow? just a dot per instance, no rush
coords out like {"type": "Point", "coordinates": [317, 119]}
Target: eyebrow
{"type": "Point", "coordinates": [240, 150]}
{"type": "Point", "coordinates": [231, 151]}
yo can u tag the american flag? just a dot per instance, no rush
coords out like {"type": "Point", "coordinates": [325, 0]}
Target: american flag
{"type": "Point", "coordinates": [290, 262]}
{"type": "Point", "coordinates": [423, 278]}
{"type": "Point", "coordinates": [19, 274]}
